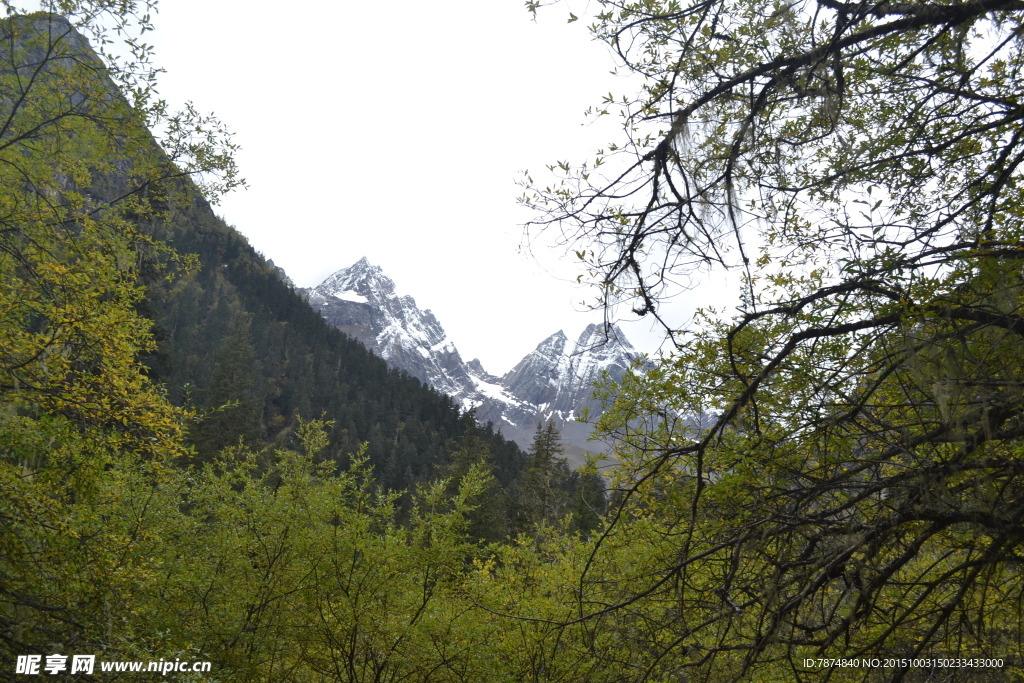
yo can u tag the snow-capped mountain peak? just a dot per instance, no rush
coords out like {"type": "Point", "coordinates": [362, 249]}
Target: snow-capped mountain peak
{"type": "Point", "coordinates": [362, 302]}
{"type": "Point", "coordinates": [361, 278]}
{"type": "Point", "coordinates": [554, 381]}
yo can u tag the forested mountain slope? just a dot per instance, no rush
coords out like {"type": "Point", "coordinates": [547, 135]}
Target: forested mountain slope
{"type": "Point", "coordinates": [232, 330]}
{"type": "Point", "coordinates": [229, 332]}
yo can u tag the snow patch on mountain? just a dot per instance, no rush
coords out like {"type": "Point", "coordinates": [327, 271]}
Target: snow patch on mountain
{"type": "Point", "coordinates": [351, 296]}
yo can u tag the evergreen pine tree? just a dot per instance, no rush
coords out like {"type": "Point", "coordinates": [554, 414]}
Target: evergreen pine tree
{"type": "Point", "coordinates": [540, 497]}
{"type": "Point", "coordinates": [587, 500]}
{"type": "Point", "coordinates": [489, 520]}
{"type": "Point", "coordinates": [233, 396]}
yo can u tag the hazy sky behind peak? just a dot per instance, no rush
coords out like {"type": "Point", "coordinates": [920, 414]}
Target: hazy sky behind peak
{"type": "Point", "coordinates": [397, 131]}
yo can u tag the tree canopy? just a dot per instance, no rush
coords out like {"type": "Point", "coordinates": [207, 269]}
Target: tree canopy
{"type": "Point", "coordinates": [859, 491]}
{"type": "Point", "coordinates": [80, 417]}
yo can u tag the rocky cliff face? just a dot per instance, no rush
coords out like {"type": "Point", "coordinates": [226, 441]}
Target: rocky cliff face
{"type": "Point", "coordinates": [571, 373]}
{"type": "Point", "coordinates": [554, 381]}
{"type": "Point", "coordinates": [361, 301]}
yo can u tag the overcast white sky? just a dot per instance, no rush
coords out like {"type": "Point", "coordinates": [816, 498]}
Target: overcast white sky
{"type": "Point", "coordinates": [396, 131]}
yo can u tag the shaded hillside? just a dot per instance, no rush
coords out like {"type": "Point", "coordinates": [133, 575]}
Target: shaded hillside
{"type": "Point", "coordinates": [236, 305]}
{"type": "Point", "coordinates": [229, 331]}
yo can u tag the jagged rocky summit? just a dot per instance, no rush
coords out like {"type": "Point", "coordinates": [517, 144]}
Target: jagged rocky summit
{"type": "Point", "coordinates": [554, 381]}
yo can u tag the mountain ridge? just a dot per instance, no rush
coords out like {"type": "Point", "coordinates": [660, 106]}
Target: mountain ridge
{"type": "Point", "coordinates": [554, 381]}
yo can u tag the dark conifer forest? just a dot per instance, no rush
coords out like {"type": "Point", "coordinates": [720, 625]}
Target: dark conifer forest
{"type": "Point", "coordinates": [230, 330]}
